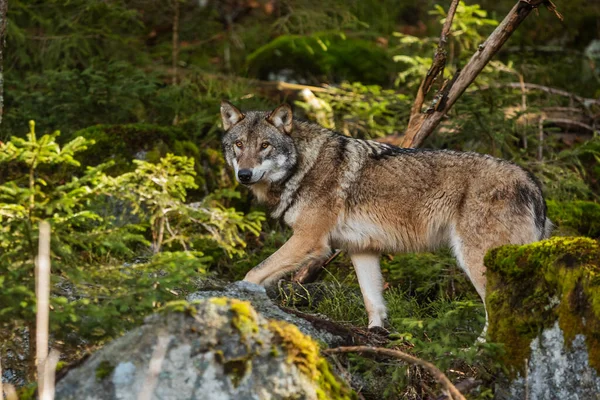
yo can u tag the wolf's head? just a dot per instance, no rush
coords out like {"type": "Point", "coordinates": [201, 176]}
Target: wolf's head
{"type": "Point", "coordinates": [257, 145]}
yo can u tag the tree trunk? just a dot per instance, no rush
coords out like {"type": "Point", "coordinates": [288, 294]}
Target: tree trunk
{"type": "Point", "coordinates": [3, 10]}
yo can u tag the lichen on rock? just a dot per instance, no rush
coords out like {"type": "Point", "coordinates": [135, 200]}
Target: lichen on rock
{"type": "Point", "coordinates": [533, 287]}
{"type": "Point", "coordinates": [218, 348]}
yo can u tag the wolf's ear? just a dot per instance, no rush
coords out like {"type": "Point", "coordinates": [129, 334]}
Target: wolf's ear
{"type": "Point", "coordinates": [282, 118]}
{"type": "Point", "coordinates": [230, 115]}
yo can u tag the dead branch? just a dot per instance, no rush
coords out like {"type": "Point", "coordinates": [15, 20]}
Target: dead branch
{"type": "Point", "coordinates": [437, 68]}
{"type": "Point", "coordinates": [433, 370]}
{"type": "Point", "coordinates": [47, 392]}
{"type": "Point", "coordinates": [350, 335]}
{"type": "Point", "coordinates": [546, 89]}
{"type": "Point", "coordinates": [424, 124]}
{"type": "Point", "coordinates": [43, 300]}
{"type": "Point", "coordinates": [569, 123]}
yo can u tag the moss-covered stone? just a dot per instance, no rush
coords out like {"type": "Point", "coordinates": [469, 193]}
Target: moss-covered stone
{"type": "Point", "coordinates": [303, 352]}
{"type": "Point", "coordinates": [222, 349]}
{"type": "Point", "coordinates": [575, 217]}
{"type": "Point", "coordinates": [325, 56]}
{"type": "Point", "coordinates": [530, 287]}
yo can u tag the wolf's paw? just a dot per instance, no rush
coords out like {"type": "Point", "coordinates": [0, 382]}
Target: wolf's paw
{"type": "Point", "coordinates": [379, 330]}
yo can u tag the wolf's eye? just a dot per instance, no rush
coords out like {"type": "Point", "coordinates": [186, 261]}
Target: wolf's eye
{"type": "Point", "coordinates": [239, 144]}
{"type": "Point", "coordinates": [264, 145]}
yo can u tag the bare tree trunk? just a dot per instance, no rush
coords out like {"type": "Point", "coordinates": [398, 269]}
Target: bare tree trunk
{"type": "Point", "coordinates": [422, 125]}
{"type": "Point", "coordinates": [175, 51]}
{"type": "Point", "coordinates": [3, 10]}
{"type": "Point", "coordinates": [42, 278]}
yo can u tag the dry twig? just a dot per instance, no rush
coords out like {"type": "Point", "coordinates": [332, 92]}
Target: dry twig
{"type": "Point", "coordinates": [546, 89]}
{"type": "Point", "coordinates": [43, 300]}
{"type": "Point", "coordinates": [437, 374]}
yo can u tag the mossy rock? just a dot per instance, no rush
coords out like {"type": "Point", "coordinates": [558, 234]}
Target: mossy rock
{"type": "Point", "coordinates": [324, 56]}
{"type": "Point", "coordinates": [215, 348]}
{"type": "Point", "coordinates": [532, 287]}
{"type": "Point", "coordinates": [575, 217]}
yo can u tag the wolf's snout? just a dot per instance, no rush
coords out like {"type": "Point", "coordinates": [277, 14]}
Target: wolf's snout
{"type": "Point", "coordinates": [245, 175]}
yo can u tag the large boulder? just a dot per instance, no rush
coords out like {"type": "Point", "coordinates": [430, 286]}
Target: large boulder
{"type": "Point", "coordinates": [543, 301]}
{"type": "Point", "coordinates": [216, 349]}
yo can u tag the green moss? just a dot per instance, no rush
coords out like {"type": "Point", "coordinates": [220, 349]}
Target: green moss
{"type": "Point", "coordinates": [302, 351]}
{"type": "Point", "coordinates": [104, 369]}
{"type": "Point", "coordinates": [244, 317]}
{"type": "Point", "coordinates": [28, 392]}
{"type": "Point", "coordinates": [576, 217]}
{"type": "Point", "coordinates": [530, 287]}
{"type": "Point", "coordinates": [179, 306]}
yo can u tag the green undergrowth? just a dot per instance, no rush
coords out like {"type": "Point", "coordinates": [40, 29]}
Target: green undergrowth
{"type": "Point", "coordinates": [433, 312]}
{"type": "Point", "coordinates": [575, 217]}
{"type": "Point", "coordinates": [532, 286]}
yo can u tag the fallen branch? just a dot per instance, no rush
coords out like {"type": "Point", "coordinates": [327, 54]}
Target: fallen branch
{"type": "Point", "coordinates": [546, 89]}
{"type": "Point", "coordinates": [569, 123]}
{"type": "Point", "coordinates": [424, 124]}
{"type": "Point", "coordinates": [350, 335]}
{"type": "Point", "coordinates": [437, 374]}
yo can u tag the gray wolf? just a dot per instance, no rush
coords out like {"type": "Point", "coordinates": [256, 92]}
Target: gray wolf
{"type": "Point", "coordinates": [369, 198]}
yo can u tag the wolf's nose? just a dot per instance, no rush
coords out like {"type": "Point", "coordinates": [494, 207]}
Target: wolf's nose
{"type": "Point", "coordinates": [245, 175]}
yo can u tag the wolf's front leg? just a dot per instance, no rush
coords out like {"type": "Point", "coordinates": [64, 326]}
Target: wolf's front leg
{"type": "Point", "coordinates": [298, 250]}
{"type": "Point", "coordinates": [370, 280]}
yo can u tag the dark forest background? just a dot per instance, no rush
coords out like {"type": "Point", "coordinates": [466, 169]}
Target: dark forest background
{"type": "Point", "coordinates": [111, 132]}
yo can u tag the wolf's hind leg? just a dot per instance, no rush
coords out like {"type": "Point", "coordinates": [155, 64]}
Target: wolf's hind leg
{"type": "Point", "coordinates": [470, 255]}
{"type": "Point", "coordinates": [370, 280]}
